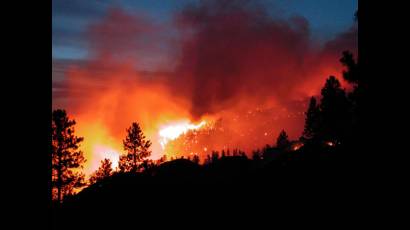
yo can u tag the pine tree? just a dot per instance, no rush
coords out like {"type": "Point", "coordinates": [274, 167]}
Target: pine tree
{"type": "Point", "coordinates": [256, 155]}
{"type": "Point", "coordinates": [137, 149]}
{"type": "Point", "coordinates": [311, 121]}
{"type": "Point", "coordinates": [66, 157]}
{"type": "Point", "coordinates": [282, 141]}
{"type": "Point", "coordinates": [195, 159]}
{"type": "Point", "coordinates": [125, 163]}
{"type": "Point", "coordinates": [334, 109]}
{"type": "Point", "coordinates": [104, 171]}
{"type": "Point", "coordinates": [208, 160]}
{"type": "Point", "coordinates": [215, 156]}
{"type": "Point", "coordinates": [351, 74]}
{"type": "Point", "coordinates": [223, 155]}
{"type": "Point", "coordinates": [147, 165]}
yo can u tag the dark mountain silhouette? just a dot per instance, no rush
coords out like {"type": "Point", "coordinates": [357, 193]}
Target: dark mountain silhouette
{"type": "Point", "coordinates": [177, 171]}
{"type": "Point", "coordinates": [183, 183]}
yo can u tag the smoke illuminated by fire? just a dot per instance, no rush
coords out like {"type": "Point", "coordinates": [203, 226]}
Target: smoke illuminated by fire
{"type": "Point", "coordinates": [238, 78]}
{"type": "Point", "coordinates": [99, 144]}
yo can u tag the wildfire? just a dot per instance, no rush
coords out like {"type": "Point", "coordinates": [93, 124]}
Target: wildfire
{"type": "Point", "coordinates": [107, 152]}
{"type": "Point", "coordinates": [297, 146]}
{"type": "Point", "coordinates": [98, 145]}
{"type": "Point", "coordinates": [174, 130]}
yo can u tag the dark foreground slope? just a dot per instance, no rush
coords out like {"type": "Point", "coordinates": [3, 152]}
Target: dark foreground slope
{"type": "Point", "coordinates": [182, 190]}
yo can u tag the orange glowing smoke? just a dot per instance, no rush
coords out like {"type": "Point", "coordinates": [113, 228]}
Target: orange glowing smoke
{"type": "Point", "coordinates": [98, 144]}
{"type": "Point", "coordinates": [224, 69]}
{"type": "Point", "coordinates": [111, 101]}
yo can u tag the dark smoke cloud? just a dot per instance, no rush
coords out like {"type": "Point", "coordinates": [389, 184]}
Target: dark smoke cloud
{"type": "Point", "coordinates": [120, 35]}
{"type": "Point", "coordinates": [346, 40]}
{"type": "Point", "coordinates": [229, 54]}
{"type": "Point", "coordinates": [233, 51]}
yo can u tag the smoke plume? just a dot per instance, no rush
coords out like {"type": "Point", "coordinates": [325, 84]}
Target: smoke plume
{"type": "Point", "coordinates": [227, 58]}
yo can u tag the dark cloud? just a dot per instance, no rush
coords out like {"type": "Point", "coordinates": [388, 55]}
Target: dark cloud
{"type": "Point", "coordinates": [231, 52]}
{"type": "Point", "coordinates": [234, 51]}
{"type": "Point", "coordinates": [344, 40]}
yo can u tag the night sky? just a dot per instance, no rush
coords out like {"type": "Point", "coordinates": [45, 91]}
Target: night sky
{"type": "Point", "coordinates": [70, 19]}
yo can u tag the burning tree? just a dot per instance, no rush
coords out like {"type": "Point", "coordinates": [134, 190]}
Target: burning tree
{"type": "Point", "coordinates": [65, 156]}
{"type": "Point", "coordinates": [102, 172]}
{"type": "Point", "coordinates": [137, 148]}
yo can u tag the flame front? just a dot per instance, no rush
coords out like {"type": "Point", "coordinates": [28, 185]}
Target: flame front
{"type": "Point", "coordinates": [174, 130]}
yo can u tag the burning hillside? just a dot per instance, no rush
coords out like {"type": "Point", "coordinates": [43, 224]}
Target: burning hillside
{"type": "Point", "coordinates": [238, 77]}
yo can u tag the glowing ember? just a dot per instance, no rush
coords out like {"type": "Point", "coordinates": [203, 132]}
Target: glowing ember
{"type": "Point", "coordinates": [173, 131]}
{"type": "Point", "coordinates": [297, 146]}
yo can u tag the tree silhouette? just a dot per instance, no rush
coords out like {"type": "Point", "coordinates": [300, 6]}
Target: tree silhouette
{"type": "Point", "coordinates": [137, 149]}
{"type": "Point", "coordinates": [351, 75]}
{"type": "Point", "coordinates": [104, 171]}
{"type": "Point", "coordinates": [125, 163]}
{"type": "Point", "coordinates": [267, 151]}
{"type": "Point", "coordinates": [235, 152]}
{"type": "Point", "coordinates": [147, 165]}
{"type": "Point", "coordinates": [195, 159]}
{"type": "Point", "coordinates": [282, 141]}
{"type": "Point", "coordinates": [65, 156]}
{"type": "Point", "coordinates": [162, 159]}
{"type": "Point", "coordinates": [208, 160]}
{"type": "Point", "coordinates": [356, 96]}
{"type": "Point", "coordinates": [256, 155]}
{"type": "Point", "coordinates": [334, 107]}
{"type": "Point", "coordinates": [242, 154]}
{"type": "Point", "coordinates": [223, 155]}
{"type": "Point", "coordinates": [312, 120]}
{"type": "Point", "coordinates": [215, 156]}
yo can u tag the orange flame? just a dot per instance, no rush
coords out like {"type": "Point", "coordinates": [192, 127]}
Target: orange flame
{"type": "Point", "coordinates": [175, 129]}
